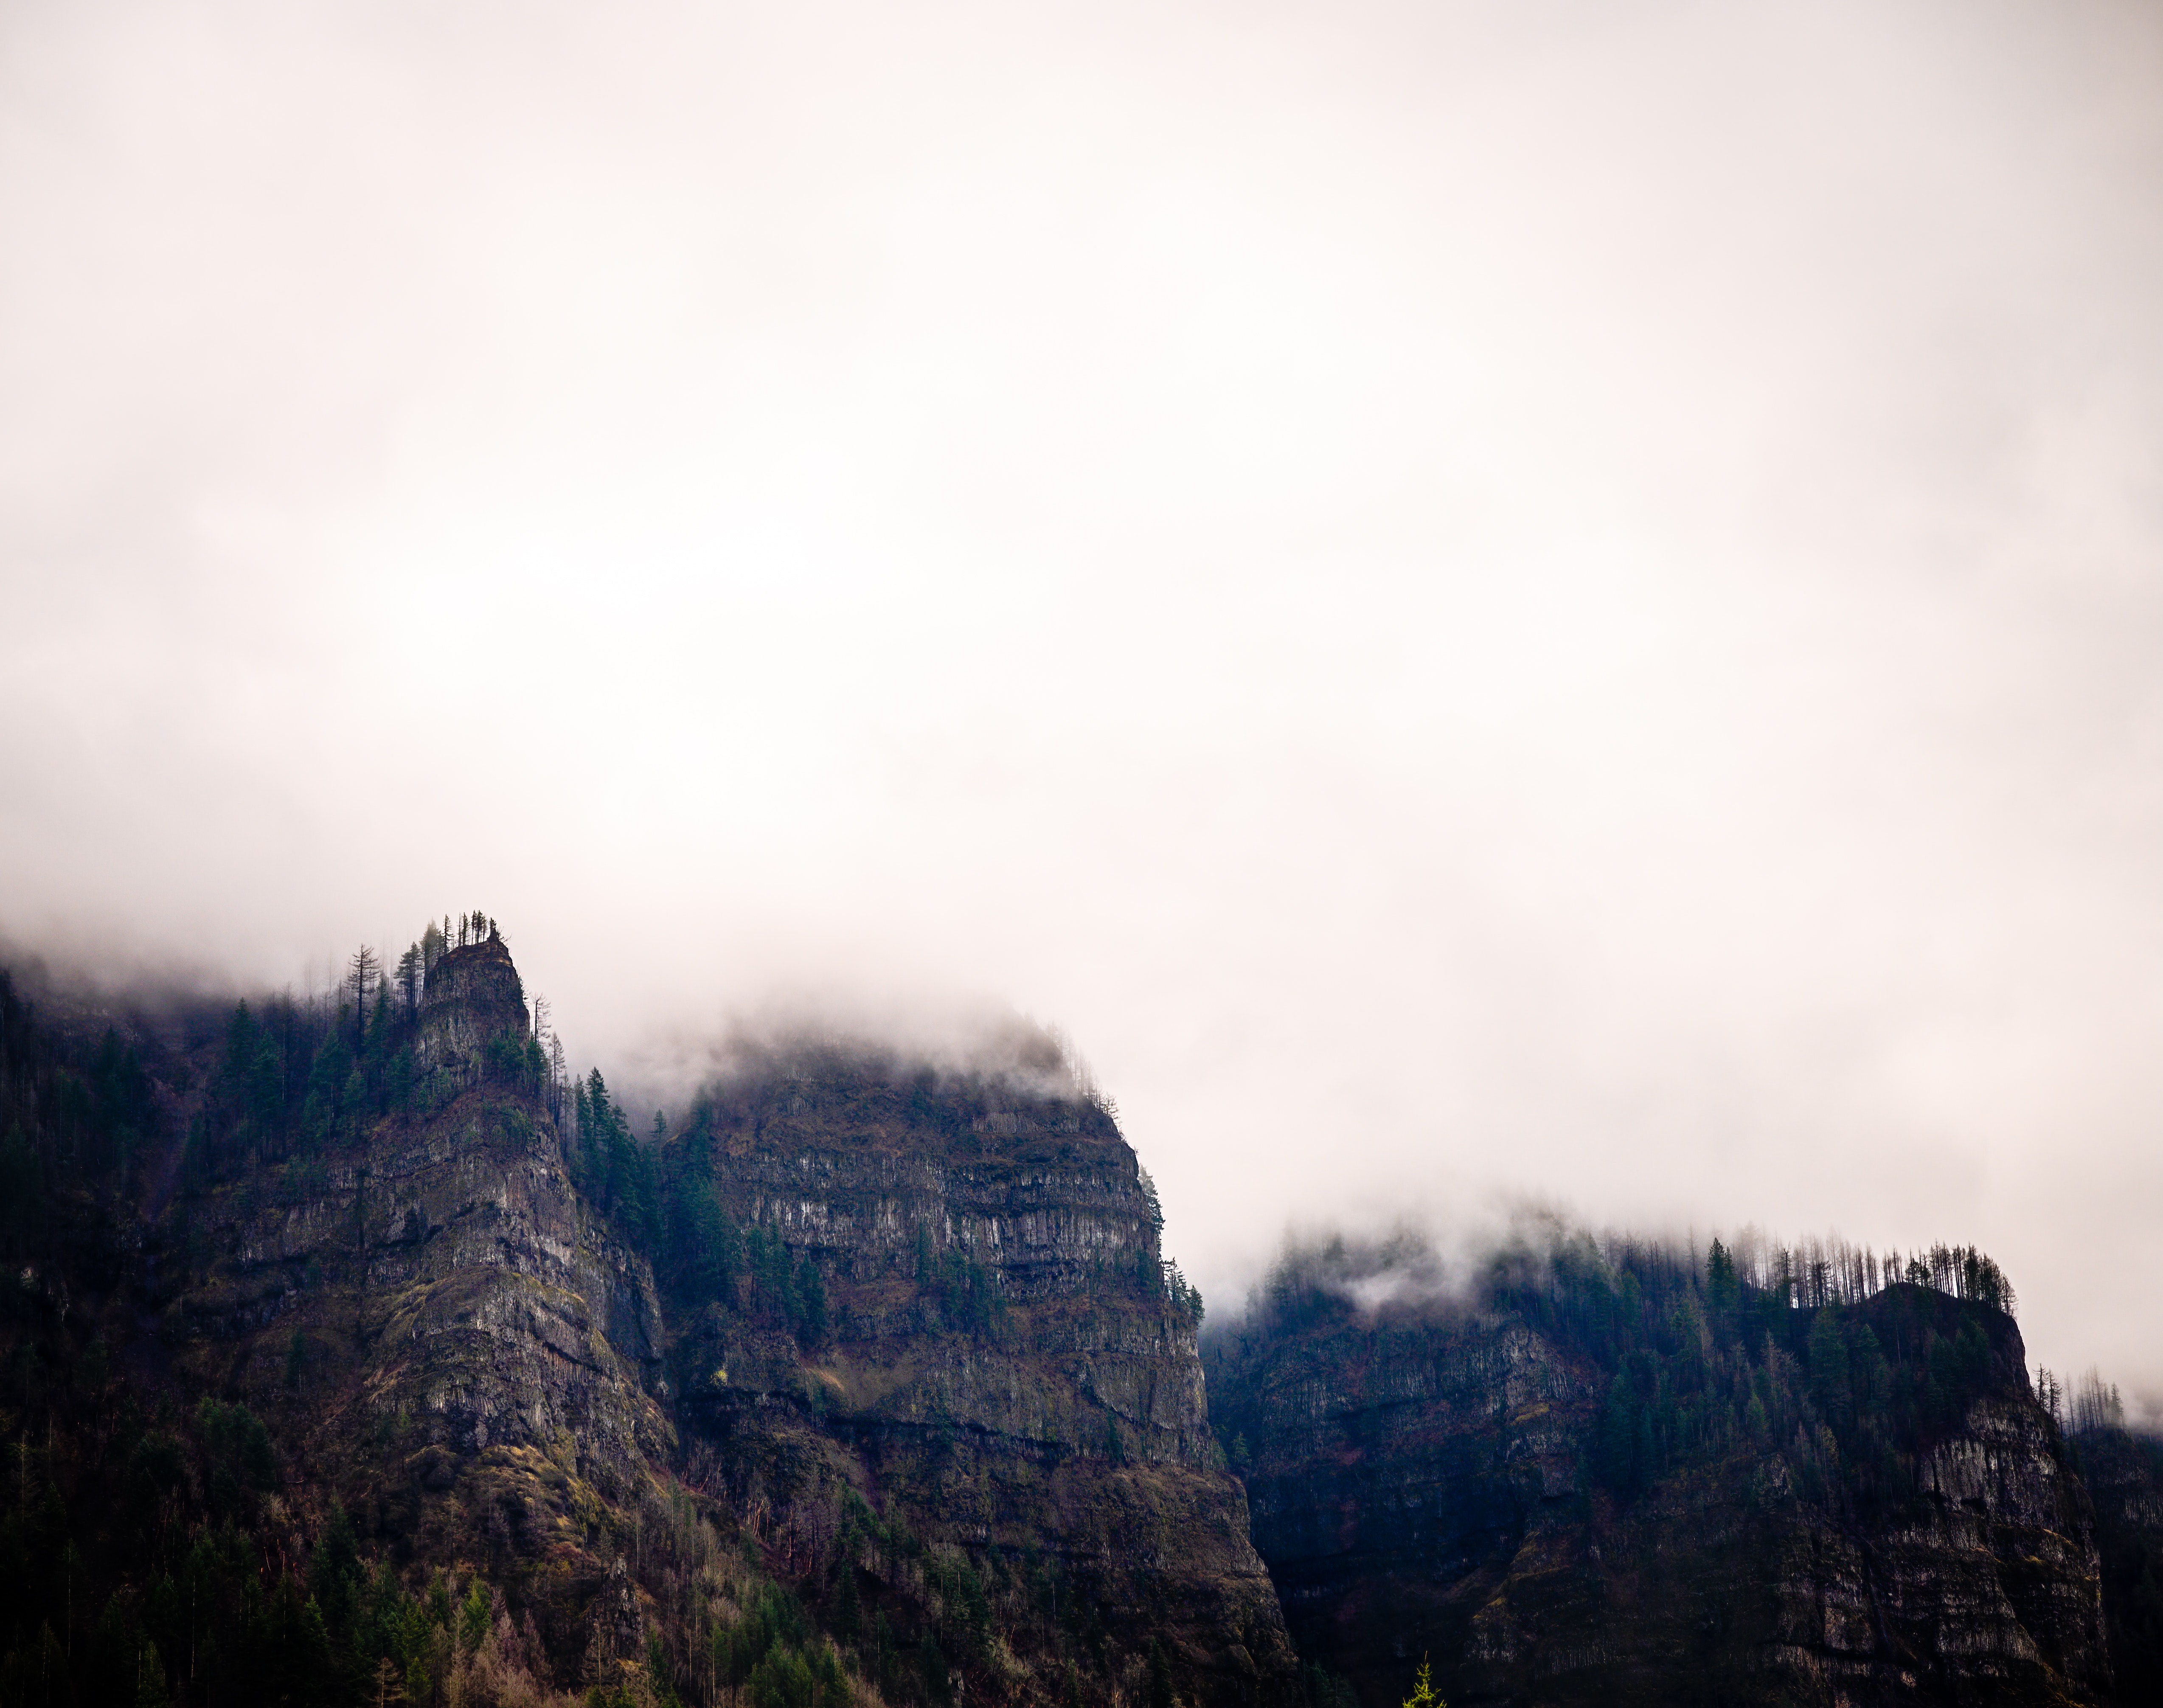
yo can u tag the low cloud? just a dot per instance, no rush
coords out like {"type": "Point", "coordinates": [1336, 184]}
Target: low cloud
{"type": "Point", "coordinates": [1479, 599]}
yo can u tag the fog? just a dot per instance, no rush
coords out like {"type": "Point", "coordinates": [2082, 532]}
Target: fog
{"type": "Point", "coordinates": [1476, 599]}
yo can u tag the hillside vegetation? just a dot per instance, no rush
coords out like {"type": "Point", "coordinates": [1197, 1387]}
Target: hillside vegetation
{"type": "Point", "coordinates": [1617, 1471]}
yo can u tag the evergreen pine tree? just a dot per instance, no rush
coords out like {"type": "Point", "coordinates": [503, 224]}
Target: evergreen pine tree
{"type": "Point", "coordinates": [811, 1301]}
{"type": "Point", "coordinates": [848, 1609]}
{"type": "Point", "coordinates": [1160, 1694]}
{"type": "Point", "coordinates": [931, 1668]}
{"type": "Point", "coordinates": [363, 974]}
{"type": "Point", "coordinates": [151, 1689]}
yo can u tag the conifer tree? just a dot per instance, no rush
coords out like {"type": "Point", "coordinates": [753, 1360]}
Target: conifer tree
{"type": "Point", "coordinates": [410, 975]}
{"type": "Point", "coordinates": [362, 973]}
{"type": "Point", "coordinates": [251, 1082]}
{"type": "Point", "coordinates": [931, 1666]}
{"type": "Point", "coordinates": [323, 1106]}
{"type": "Point", "coordinates": [1160, 1694]}
{"type": "Point", "coordinates": [848, 1607]}
{"type": "Point", "coordinates": [474, 1617]}
{"type": "Point", "coordinates": [1422, 1695]}
{"type": "Point", "coordinates": [1149, 1197]}
{"type": "Point", "coordinates": [810, 1293]}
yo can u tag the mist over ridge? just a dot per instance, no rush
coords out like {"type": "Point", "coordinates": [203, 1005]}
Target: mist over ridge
{"type": "Point", "coordinates": [1480, 601]}
{"type": "Point", "coordinates": [1414, 1269]}
{"type": "Point", "coordinates": [892, 1321]}
{"type": "Point", "coordinates": [1444, 1261]}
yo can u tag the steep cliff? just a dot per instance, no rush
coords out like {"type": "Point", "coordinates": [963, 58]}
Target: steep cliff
{"type": "Point", "coordinates": [344, 1356]}
{"type": "Point", "coordinates": [1599, 1500]}
{"type": "Point", "coordinates": [433, 1318]}
{"type": "Point", "coordinates": [942, 1301]}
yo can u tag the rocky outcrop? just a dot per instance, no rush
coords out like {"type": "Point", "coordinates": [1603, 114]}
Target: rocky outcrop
{"type": "Point", "coordinates": [473, 999]}
{"type": "Point", "coordinates": [1433, 1487]}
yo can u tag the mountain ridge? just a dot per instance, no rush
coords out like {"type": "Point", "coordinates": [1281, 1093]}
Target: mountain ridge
{"type": "Point", "coordinates": [371, 1357]}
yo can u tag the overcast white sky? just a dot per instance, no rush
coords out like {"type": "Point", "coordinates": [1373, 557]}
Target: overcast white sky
{"type": "Point", "coordinates": [1472, 597]}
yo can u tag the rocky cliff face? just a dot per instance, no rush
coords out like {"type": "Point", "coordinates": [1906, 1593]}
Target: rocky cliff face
{"type": "Point", "coordinates": [1482, 1491]}
{"type": "Point", "coordinates": [870, 1384]}
{"type": "Point", "coordinates": [1002, 1368]}
{"type": "Point", "coordinates": [913, 1339]}
{"type": "Point", "coordinates": [445, 1330]}
{"type": "Point", "coordinates": [473, 999]}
